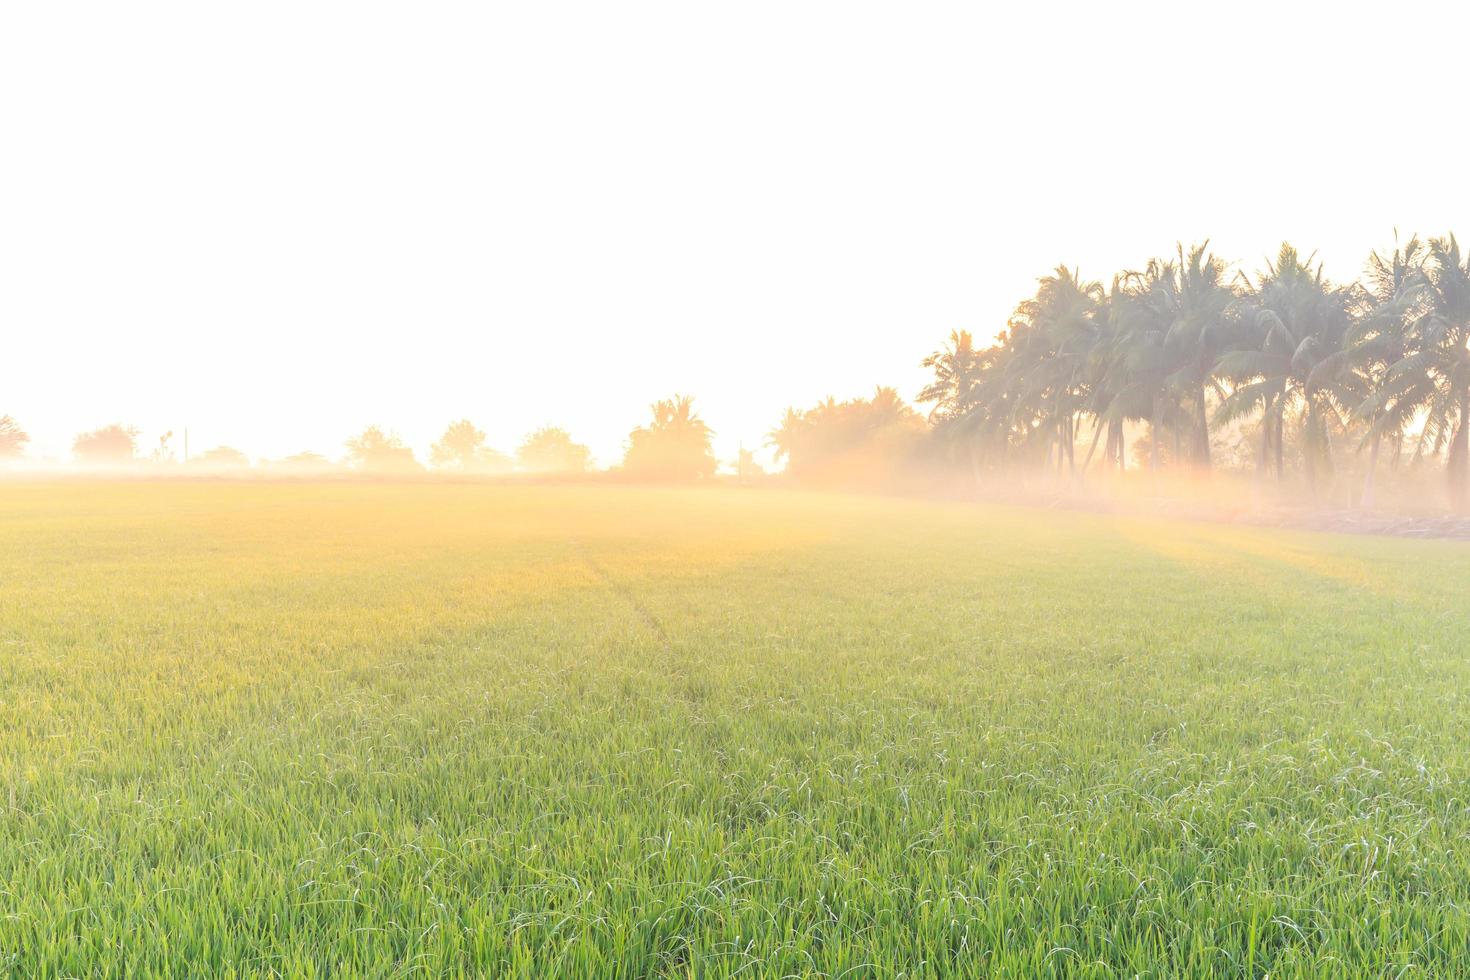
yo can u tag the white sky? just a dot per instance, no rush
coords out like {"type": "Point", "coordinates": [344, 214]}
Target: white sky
{"type": "Point", "coordinates": [276, 222]}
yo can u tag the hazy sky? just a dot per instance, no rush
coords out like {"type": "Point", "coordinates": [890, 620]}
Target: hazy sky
{"type": "Point", "coordinates": [277, 222]}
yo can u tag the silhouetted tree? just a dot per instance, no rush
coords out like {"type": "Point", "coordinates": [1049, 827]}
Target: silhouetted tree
{"type": "Point", "coordinates": [1060, 330]}
{"type": "Point", "coordinates": [1392, 298]}
{"type": "Point", "coordinates": [376, 451]}
{"type": "Point", "coordinates": [1289, 354]}
{"type": "Point", "coordinates": [856, 441]}
{"type": "Point", "coordinates": [462, 447]}
{"type": "Point", "coordinates": [551, 450]}
{"type": "Point", "coordinates": [674, 446]}
{"type": "Point", "coordinates": [1296, 328]}
{"type": "Point", "coordinates": [458, 446]}
{"type": "Point", "coordinates": [1438, 363]}
{"type": "Point", "coordinates": [13, 438]}
{"type": "Point", "coordinates": [1195, 303]}
{"type": "Point", "coordinates": [957, 372]}
{"type": "Point", "coordinates": [109, 444]}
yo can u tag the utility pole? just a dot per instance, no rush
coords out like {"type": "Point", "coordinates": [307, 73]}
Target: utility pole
{"type": "Point", "coordinates": [186, 443]}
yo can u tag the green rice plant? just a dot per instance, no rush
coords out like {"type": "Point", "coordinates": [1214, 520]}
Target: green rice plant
{"type": "Point", "coordinates": [459, 730]}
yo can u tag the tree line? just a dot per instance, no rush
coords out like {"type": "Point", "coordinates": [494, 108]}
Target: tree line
{"type": "Point", "coordinates": [1181, 364]}
{"type": "Point", "coordinates": [462, 448]}
{"type": "Point", "coordinates": [675, 445]}
{"type": "Point", "coordinates": [1181, 351]}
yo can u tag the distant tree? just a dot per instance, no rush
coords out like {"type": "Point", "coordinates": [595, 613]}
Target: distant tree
{"type": "Point", "coordinates": [858, 441]}
{"type": "Point", "coordinates": [13, 438]}
{"type": "Point", "coordinates": [109, 444]}
{"type": "Point", "coordinates": [462, 447]}
{"type": "Point", "coordinates": [376, 451]}
{"type": "Point", "coordinates": [551, 450]}
{"type": "Point", "coordinates": [459, 446]}
{"type": "Point", "coordinates": [674, 446]}
{"type": "Point", "coordinates": [221, 457]}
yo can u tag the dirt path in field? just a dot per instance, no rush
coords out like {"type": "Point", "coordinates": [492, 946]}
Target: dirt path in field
{"type": "Point", "coordinates": [626, 594]}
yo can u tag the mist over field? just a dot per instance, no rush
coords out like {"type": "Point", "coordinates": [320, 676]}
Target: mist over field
{"type": "Point", "coordinates": [1187, 374]}
{"type": "Point", "coordinates": [667, 490]}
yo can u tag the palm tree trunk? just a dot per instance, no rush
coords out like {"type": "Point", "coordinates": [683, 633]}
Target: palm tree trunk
{"type": "Point", "coordinates": [1309, 448]}
{"type": "Point", "coordinates": [1202, 436]}
{"type": "Point", "coordinates": [1071, 445]}
{"type": "Point", "coordinates": [1096, 435]}
{"type": "Point", "coordinates": [1265, 454]}
{"type": "Point", "coordinates": [1154, 435]}
{"type": "Point", "coordinates": [1324, 435]}
{"type": "Point", "coordinates": [1280, 426]}
{"type": "Point", "coordinates": [1459, 456]}
{"type": "Point", "coordinates": [1368, 499]}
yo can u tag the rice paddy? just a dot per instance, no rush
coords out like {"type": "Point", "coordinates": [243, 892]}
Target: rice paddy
{"type": "Point", "coordinates": [459, 730]}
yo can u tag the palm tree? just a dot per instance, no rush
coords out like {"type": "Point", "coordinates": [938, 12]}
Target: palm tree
{"type": "Point", "coordinates": [1434, 376]}
{"type": "Point", "coordinates": [1010, 414]}
{"type": "Point", "coordinates": [994, 421]}
{"type": "Point", "coordinates": [956, 373]}
{"type": "Point", "coordinates": [1168, 320]}
{"type": "Point", "coordinates": [1139, 363]}
{"type": "Point", "coordinates": [1392, 297]}
{"type": "Point", "coordinates": [1068, 319]}
{"type": "Point", "coordinates": [1298, 321]}
{"type": "Point", "coordinates": [1185, 310]}
{"type": "Point", "coordinates": [787, 439]}
{"type": "Point", "coordinates": [1374, 359]}
{"type": "Point", "coordinates": [675, 445]}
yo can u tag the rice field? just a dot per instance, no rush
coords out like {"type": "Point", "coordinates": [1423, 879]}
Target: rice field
{"type": "Point", "coordinates": [455, 730]}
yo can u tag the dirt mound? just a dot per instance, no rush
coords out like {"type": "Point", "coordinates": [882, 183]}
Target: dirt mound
{"type": "Point", "coordinates": [1259, 515]}
{"type": "Point", "coordinates": [1350, 522]}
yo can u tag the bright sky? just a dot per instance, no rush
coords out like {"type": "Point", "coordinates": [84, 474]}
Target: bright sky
{"type": "Point", "coordinates": [276, 222]}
